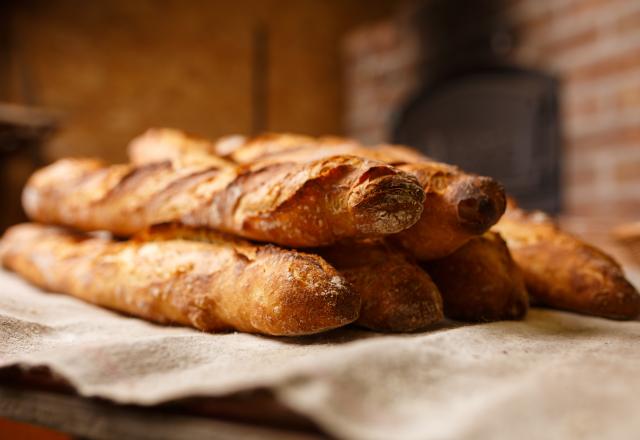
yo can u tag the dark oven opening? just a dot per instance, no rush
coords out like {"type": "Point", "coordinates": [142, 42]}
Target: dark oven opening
{"type": "Point", "coordinates": [477, 110]}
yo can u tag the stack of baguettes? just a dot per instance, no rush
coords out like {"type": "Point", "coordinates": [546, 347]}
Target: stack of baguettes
{"type": "Point", "coordinates": [291, 235]}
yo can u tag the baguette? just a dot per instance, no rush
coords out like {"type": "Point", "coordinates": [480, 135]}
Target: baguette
{"type": "Point", "coordinates": [458, 205]}
{"type": "Point", "coordinates": [480, 281]}
{"type": "Point", "coordinates": [274, 148]}
{"type": "Point", "coordinates": [292, 204]}
{"type": "Point", "coordinates": [397, 295]}
{"type": "Point", "coordinates": [563, 272]}
{"type": "Point", "coordinates": [225, 284]}
{"type": "Point", "coordinates": [162, 144]}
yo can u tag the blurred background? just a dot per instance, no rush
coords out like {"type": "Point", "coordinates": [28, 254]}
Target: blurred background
{"type": "Point", "coordinates": [542, 94]}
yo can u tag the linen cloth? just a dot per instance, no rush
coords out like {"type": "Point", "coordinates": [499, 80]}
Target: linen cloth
{"type": "Point", "coordinates": [555, 375]}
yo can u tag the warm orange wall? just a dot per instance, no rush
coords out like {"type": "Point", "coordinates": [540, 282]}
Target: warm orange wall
{"type": "Point", "coordinates": [115, 68]}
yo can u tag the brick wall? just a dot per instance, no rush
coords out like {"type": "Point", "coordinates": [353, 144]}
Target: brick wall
{"type": "Point", "coordinates": [593, 46]}
{"type": "Point", "coordinates": [381, 63]}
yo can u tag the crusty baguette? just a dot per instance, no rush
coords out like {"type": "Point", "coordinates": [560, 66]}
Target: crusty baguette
{"type": "Point", "coordinates": [562, 272]}
{"type": "Point", "coordinates": [165, 144]}
{"type": "Point", "coordinates": [458, 205]}
{"type": "Point", "coordinates": [480, 281]}
{"type": "Point", "coordinates": [275, 147]}
{"type": "Point", "coordinates": [294, 204]}
{"type": "Point", "coordinates": [397, 295]}
{"type": "Point", "coordinates": [225, 284]}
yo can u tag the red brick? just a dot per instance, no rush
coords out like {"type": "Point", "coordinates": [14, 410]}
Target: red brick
{"type": "Point", "coordinates": [628, 171]}
{"type": "Point", "coordinates": [587, 6]}
{"type": "Point", "coordinates": [531, 25]}
{"type": "Point", "coordinates": [581, 176]}
{"type": "Point", "coordinates": [626, 208]}
{"type": "Point", "coordinates": [568, 44]}
{"type": "Point", "coordinates": [357, 44]}
{"type": "Point", "coordinates": [373, 134]}
{"type": "Point", "coordinates": [582, 107]}
{"type": "Point", "coordinates": [628, 98]}
{"type": "Point", "coordinates": [537, 25]}
{"type": "Point", "coordinates": [604, 67]}
{"type": "Point", "coordinates": [621, 209]}
{"type": "Point", "coordinates": [385, 35]}
{"type": "Point", "coordinates": [586, 209]}
{"type": "Point", "coordinates": [629, 22]}
{"type": "Point", "coordinates": [625, 137]}
{"type": "Point", "coordinates": [371, 39]}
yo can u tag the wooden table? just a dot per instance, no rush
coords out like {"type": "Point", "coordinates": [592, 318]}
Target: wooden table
{"type": "Point", "coordinates": [36, 398]}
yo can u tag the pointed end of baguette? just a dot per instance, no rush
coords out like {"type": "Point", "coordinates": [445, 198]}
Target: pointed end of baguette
{"type": "Point", "coordinates": [617, 298]}
{"type": "Point", "coordinates": [480, 202]}
{"type": "Point", "coordinates": [308, 297]}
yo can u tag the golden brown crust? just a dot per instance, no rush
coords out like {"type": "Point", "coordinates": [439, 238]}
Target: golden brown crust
{"type": "Point", "coordinates": [400, 154]}
{"type": "Point", "coordinates": [294, 204]}
{"type": "Point", "coordinates": [397, 295]}
{"type": "Point", "coordinates": [166, 144]}
{"type": "Point", "coordinates": [226, 145]}
{"type": "Point", "coordinates": [224, 284]}
{"type": "Point", "coordinates": [563, 272]}
{"type": "Point", "coordinates": [458, 205]}
{"type": "Point", "coordinates": [270, 146]}
{"type": "Point", "coordinates": [276, 148]}
{"type": "Point", "coordinates": [480, 281]}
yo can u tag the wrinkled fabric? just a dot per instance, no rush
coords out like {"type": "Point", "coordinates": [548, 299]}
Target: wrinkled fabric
{"type": "Point", "coordinates": [555, 375]}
